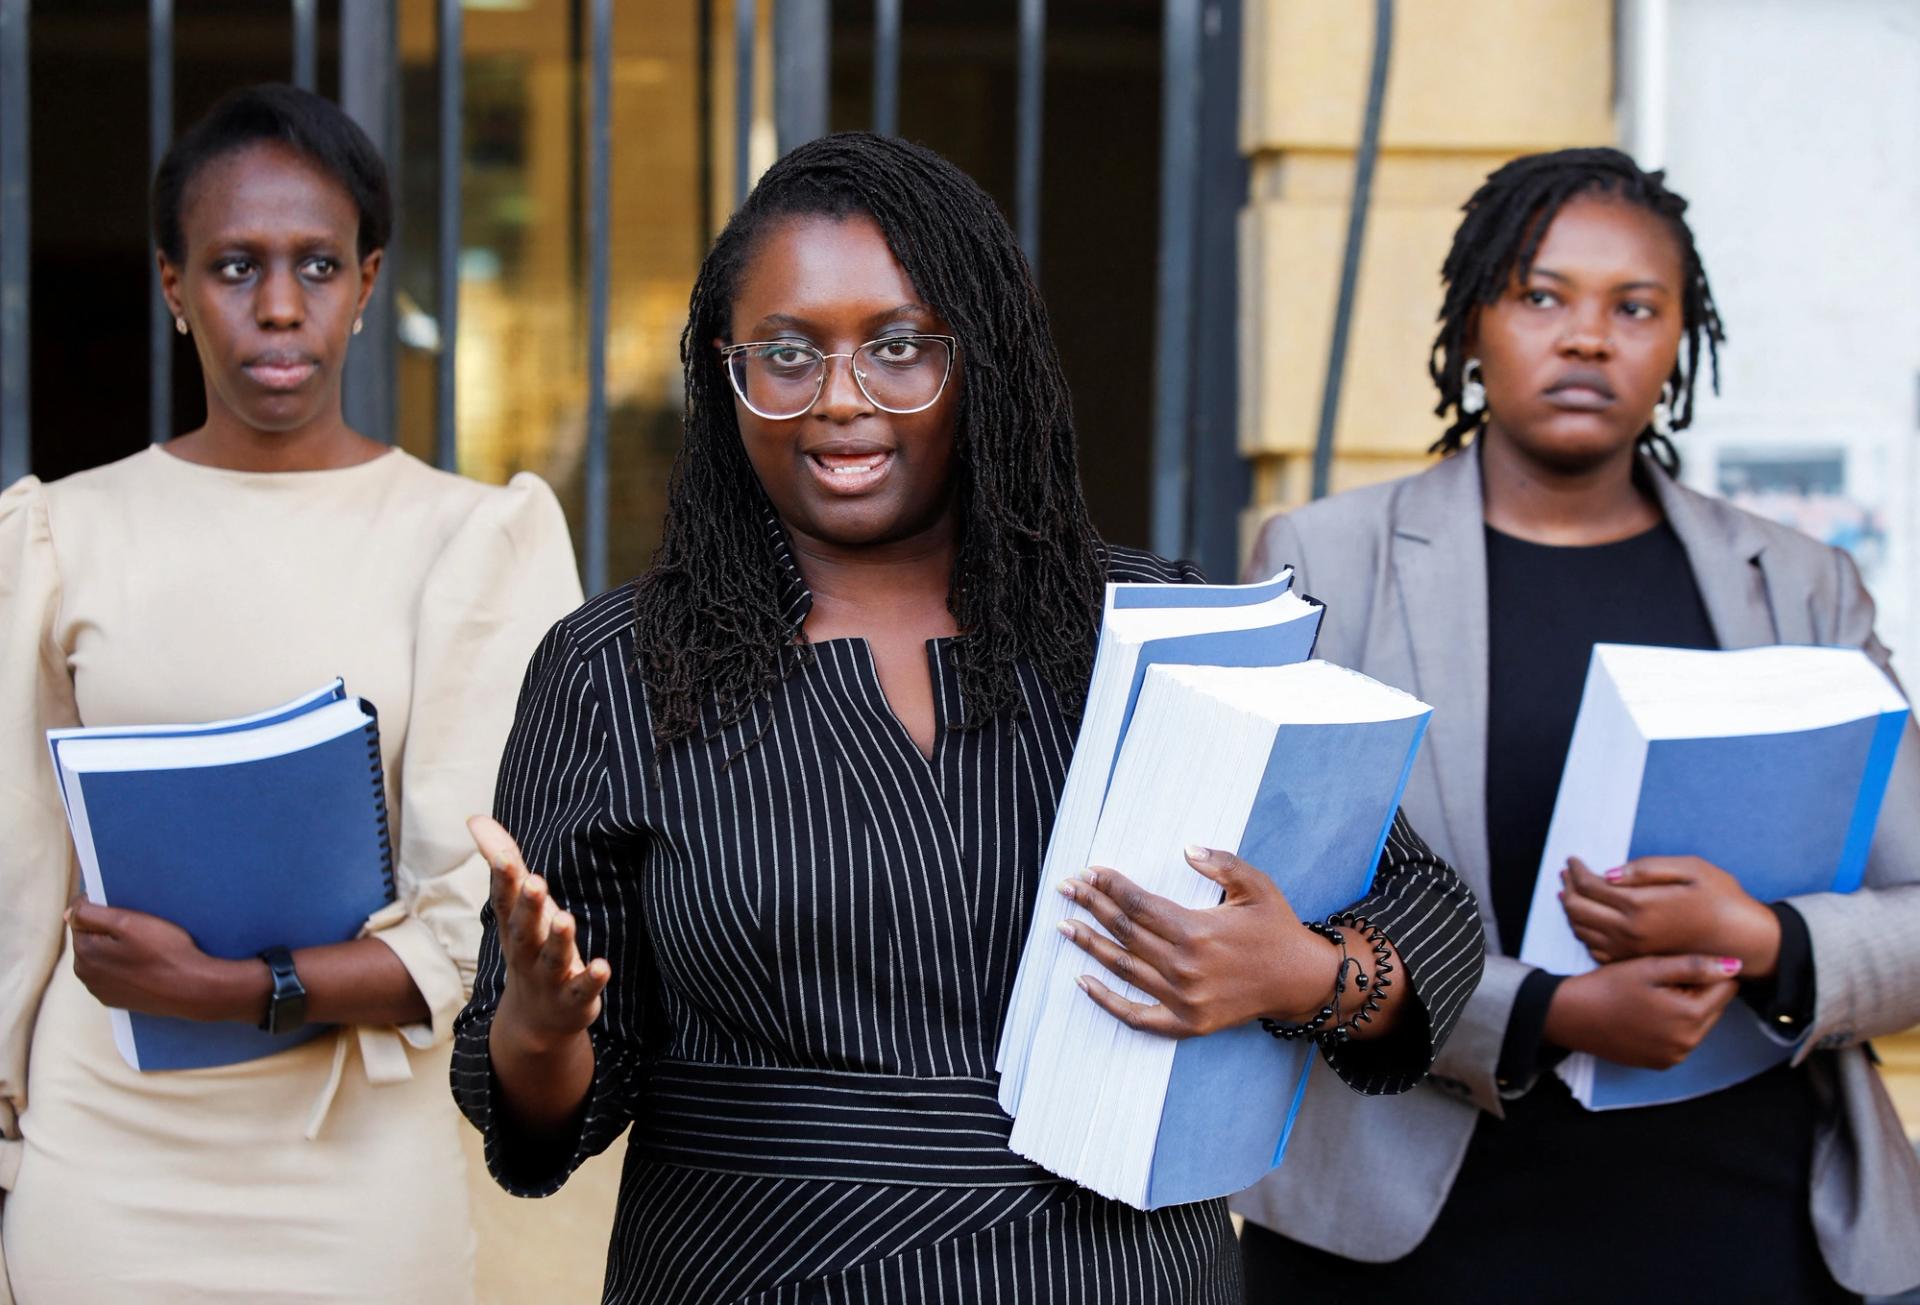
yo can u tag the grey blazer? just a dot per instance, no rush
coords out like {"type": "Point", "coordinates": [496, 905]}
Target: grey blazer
{"type": "Point", "coordinates": [1402, 570]}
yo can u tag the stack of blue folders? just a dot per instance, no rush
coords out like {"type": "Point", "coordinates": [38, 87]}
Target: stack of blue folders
{"type": "Point", "coordinates": [1204, 725]}
{"type": "Point", "coordinates": [249, 833]}
{"type": "Point", "coordinates": [1769, 762]}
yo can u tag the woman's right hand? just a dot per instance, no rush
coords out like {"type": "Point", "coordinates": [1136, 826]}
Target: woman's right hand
{"type": "Point", "coordinates": [1649, 1012]}
{"type": "Point", "coordinates": [550, 996]}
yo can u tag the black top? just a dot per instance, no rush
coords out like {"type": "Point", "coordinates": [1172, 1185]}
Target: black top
{"type": "Point", "coordinates": [812, 943]}
{"type": "Point", "coordinates": [1546, 608]}
{"type": "Point", "coordinates": [1744, 1152]}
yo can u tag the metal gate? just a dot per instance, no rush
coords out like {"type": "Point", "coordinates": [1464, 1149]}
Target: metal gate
{"type": "Point", "coordinates": [1199, 482]}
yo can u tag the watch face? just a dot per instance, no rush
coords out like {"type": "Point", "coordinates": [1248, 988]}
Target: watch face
{"type": "Point", "coordinates": [287, 1013]}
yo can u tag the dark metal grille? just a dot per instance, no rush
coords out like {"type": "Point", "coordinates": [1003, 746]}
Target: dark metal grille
{"type": "Point", "coordinates": [1199, 483]}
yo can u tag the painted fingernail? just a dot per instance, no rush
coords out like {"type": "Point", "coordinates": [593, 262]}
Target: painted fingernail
{"type": "Point", "coordinates": [1065, 929]}
{"type": "Point", "coordinates": [1091, 875]}
{"type": "Point", "coordinates": [1730, 965]}
{"type": "Point", "coordinates": [1083, 985]}
{"type": "Point", "coordinates": [1195, 852]}
{"type": "Point", "coordinates": [1066, 888]}
{"type": "Point", "coordinates": [1616, 874]}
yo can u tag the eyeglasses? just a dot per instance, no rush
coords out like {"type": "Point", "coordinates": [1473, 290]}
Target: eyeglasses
{"type": "Point", "coordinates": [782, 379]}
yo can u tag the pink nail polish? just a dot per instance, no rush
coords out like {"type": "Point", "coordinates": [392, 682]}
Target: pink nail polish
{"type": "Point", "coordinates": [1616, 874]}
{"type": "Point", "coordinates": [1730, 965]}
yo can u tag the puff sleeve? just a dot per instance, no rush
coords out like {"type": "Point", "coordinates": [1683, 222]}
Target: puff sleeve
{"type": "Point", "coordinates": [503, 579]}
{"type": "Point", "coordinates": [36, 865]}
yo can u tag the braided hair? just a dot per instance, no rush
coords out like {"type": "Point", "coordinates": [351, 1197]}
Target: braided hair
{"type": "Point", "coordinates": [1029, 571]}
{"type": "Point", "coordinates": [1507, 218]}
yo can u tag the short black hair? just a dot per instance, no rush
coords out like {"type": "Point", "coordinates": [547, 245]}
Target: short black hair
{"type": "Point", "coordinates": [1029, 571]}
{"type": "Point", "coordinates": [313, 126]}
{"type": "Point", "coordinates": [1505, 221]}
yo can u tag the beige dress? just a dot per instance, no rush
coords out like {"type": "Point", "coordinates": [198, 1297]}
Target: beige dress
{"type": "Point", "coordinates": [155, 590]}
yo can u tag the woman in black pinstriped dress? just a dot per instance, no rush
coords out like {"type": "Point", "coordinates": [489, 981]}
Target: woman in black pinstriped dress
{"type": "Point", "coordinates": [791, 789]}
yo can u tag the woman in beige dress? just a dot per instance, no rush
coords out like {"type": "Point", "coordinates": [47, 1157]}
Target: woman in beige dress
{"type": "Point", "coordinates": [231, 569]}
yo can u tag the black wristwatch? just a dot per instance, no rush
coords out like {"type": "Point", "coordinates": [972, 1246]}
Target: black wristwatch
{"type": "Point", "coordinates": [287, 1007]}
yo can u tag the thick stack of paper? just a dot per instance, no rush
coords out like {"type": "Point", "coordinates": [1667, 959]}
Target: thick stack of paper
{"type": "Point", "coordinates": [1769, 762]}
{"type": "Point", "coordinates": [1298, 768]}
{"type": "Point", "coordinates": [267, 830]}
{"type": "Point", "coordinates": [1263, 624]}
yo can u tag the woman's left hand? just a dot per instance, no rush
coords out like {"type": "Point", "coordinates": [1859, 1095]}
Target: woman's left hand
{"type": "Point", "coordinates": [1669, 906]}
{"type": "Point", "coordinates": [139, 962]}
{"type": "Point", "coordinates": [1211, 969]}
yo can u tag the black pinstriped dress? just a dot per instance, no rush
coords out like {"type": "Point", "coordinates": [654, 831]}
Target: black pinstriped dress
{"type": "Point", "coordinates": [812, 950]}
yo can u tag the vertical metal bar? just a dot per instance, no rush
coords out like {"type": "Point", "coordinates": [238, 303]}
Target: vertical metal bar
{"type": "Point", "coordinates": [1033, 56]}
{"type": "Point", "coordinates": [369, 79]}
{"type": "Point", "coordinates": [579, 70]}
{"type": "Point", "coordinates": [160, 330]}
{"type": "Point", "coordinates": [1173, 312]}
{"type": "Point", "coordinates": [16, 249]}
{"type": "Point", "coordinates": [1356, 234]}
{"type": "Point", "coordinates": [704, 81]}
{"type": "Point", "coordinates": [802, 59]}
{"type": "Point", "coordinates": [305, 56]}
{"type": "Point", "coordinates": [446, 436]}
{"type": "Point", "coordinates": [744, 21]}
{"type": "Point", "coordinates": [1222, 479]}
{"type": "Point", "coordinates": [886, 67]}
{"type": "Point", "coordinates": [599, 199]}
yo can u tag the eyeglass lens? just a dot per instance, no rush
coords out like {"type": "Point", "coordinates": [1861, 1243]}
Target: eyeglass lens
{"type": "Point", "coordinates": [898, 374]}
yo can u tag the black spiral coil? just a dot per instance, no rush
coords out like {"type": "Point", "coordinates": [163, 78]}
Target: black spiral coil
{"type": "Point", "coordinates": [377, 769]}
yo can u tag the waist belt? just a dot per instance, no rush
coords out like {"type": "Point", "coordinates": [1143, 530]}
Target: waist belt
{"type": "Point", "coordinates": [820, 1124]}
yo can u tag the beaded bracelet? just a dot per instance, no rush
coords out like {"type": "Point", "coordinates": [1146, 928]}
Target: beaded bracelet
{"type": "Point", "coordinates": [1330, 1016]}
{"type": "Point", "coordinates": [1330, 1026]}
{"type": "Point", "coordinates": [1382, 967]}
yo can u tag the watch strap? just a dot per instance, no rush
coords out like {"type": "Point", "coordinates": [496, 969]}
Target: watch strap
{"type": "Point", "coordinates": [287, 1006]}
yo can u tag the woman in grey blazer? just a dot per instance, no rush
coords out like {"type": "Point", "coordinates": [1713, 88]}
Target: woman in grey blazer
{"type": "Point", "coordinates": [1481, 585]}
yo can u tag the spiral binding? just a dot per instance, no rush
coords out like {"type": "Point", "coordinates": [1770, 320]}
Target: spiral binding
{"type": "Point", "coordinates": [377, 769]}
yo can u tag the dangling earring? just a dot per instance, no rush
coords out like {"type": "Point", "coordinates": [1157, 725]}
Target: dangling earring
{"type": "Point", "coordinates": [1473, 395]}
{"type": "Point", "coordinates": [1662, 421]}
{"type": "Point", "coordinates": [357, 324]}
{"type": "Point", "coordinates": [180, 325]}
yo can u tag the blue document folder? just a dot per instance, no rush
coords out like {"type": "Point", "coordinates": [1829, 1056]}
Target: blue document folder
{"type": "Point", "coordinates": [262, 831]}
{"type": "Point", "coordinates": [1769, 762]}
{"type": "Point", "coordinates": [1299, 768]}
{"type": "Point", "coordinates": [1144, 625]}
{"type": "Point", "coordinates": [1318, 827]}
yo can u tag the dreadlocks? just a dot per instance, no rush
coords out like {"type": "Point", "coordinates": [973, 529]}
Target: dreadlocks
{"type": "Point", "coordinates": [1028, 571]}
{"type": "Point", "coordinates": [1506, 220]}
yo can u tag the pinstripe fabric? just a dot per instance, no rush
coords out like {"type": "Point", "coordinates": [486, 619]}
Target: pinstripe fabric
{"type": "Point", "coordinates": [812, 950]}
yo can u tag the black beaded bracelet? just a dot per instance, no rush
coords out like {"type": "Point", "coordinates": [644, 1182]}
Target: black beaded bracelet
{"type": "Point", "coordinates": [1330, 1026]}
{"type": "Point", "coordinates": [1382, 967]}
{"type": "Point", "coordinates": [1331, 1016]}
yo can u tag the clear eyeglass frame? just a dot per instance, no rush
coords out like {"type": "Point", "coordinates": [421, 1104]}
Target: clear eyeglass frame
{"type": "Point", "coordinates": [729, 351]}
